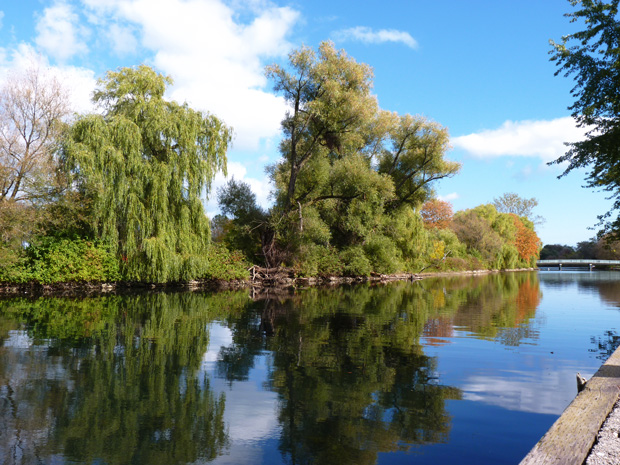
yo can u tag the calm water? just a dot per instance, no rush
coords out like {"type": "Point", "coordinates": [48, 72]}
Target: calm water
{"type": "Point", "coordinates": [458, 370]}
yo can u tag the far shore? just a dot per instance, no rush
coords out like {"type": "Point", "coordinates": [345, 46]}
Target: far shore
{"type": "Point", "coordinates": [262, 281]}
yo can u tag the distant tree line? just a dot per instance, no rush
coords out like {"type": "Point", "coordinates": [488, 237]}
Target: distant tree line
{"type": "Point", "coordinates": [595, 249]}
{"type": "Point", "coordinates": [117, 195]}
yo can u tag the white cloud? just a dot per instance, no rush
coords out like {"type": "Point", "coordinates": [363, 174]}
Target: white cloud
{"type": "Point", "coordinates": [59, 33]}
{"type": "Point", "coordinates": [78, 82]}
{"type": "Point", "coordinates": [216, 60]}
{"type": "Point", "coordinates": [448, 197]}
{"type": "Point", "coordinates": [81, 83]}
{"type": "Point", "coordinates": [540, 139]}
{"type": "Point", "coordinates": [122, 39]}
{"type": "Point", "coordinates": [367, 35]}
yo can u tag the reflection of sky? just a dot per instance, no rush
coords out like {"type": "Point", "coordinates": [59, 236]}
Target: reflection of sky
{"type": "Point", "coordinates": [531, 383]}
{"type": "Point", "coordinates": [517, 390]}
{"type": "Point", "coordinates": [251, 412]}
{"type": "Point", "coordinates": [503, 387]}
{"type": "Point", "coordinates": [536, 376]}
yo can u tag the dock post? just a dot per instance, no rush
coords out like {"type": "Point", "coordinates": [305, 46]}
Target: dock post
{"type": "Point", "coordinates": [560, 265]}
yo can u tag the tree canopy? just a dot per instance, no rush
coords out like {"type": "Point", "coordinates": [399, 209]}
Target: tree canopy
{"type": "Point", "coordinates": [145, 164]}
{"type": "Point", "coordinates": [33, 105]}
{"type": "Point", "coordinates": [510, 202]}
{"type": "Point", "coordinates": [351, 174]}
{"type": "Point", "coordinates": [592, 57]}
{"type": "Point", "coordinates": [436, 214]}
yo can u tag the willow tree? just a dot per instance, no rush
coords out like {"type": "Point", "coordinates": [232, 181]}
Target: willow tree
{"type": "Point", "coordinates": [144, 164]}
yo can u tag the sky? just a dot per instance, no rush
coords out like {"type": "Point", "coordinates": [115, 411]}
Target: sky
{"type": "Point", "coordinates": [480, 68]}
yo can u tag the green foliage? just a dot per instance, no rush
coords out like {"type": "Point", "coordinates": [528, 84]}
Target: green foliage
{"type": "Point", "coordinates": [475, 231]}
{"type": "Point", "coordinates": [498, 240]}
{"type": "Point", "coordinates": [355, 261]}
{"type": "Point", "coordinates": [318, 260]}
{"type": "Point", "coordinates": [604, 248]}
{"type": "Point", "coordinates": [144, 166]}
{"type": "Point", "coordinates": [350, 173]}
{"type": "Point", "coordinates": [592, 56]}
{"type": "Point", "coordinates": [247, 222]}
{"type": "Point", "coordinates": [225, 265]}
{"type": "Point", "coordinates": [63, 260]}
{"type": "Point", "coordinates": [383, 254]}
{"type": "Point", "coordinates": [415, 158]}
{"type": "Point", "coordinates": [555, 251]}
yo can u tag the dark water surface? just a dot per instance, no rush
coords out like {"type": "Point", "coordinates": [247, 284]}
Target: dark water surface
{"type": "Point", "coordinates": [453, 370]}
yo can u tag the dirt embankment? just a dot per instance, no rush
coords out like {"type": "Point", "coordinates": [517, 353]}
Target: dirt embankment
{"type": "Point", "coordinates": [261, 280]}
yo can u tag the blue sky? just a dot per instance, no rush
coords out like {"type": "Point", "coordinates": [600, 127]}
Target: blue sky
{"type": "Point", "coordinates": [480, 68]}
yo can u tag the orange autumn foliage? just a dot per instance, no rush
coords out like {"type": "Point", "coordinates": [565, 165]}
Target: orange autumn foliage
{"type": "Point", "coordinates": [528, 300]}
{"type": "Point", "coordinates": [526, 240]}
{"type": "Point", "coordinates": [436, 214]}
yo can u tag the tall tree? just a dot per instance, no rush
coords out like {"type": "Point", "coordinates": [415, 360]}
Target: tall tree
{"type": "Point", "coordinates": [329, 98]}
{"type": "Point", "coordinates": [33, 109]}
{"type": "Point", "coordinates": [145, 164]}
{"type": "Point", "coordinates": [33, 105]}
{"type": "Point", "coordinates": [414, 158]}
{"type": "Point", "coordinates": [592, 56]}
{"type": "Point", "coordinates": [350, 173]}
{"type": "Point", "coordinates": [511, 202]}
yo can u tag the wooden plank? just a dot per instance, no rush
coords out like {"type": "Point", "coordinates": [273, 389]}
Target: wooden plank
{"type": "Point", "coordinates": [572, 436]}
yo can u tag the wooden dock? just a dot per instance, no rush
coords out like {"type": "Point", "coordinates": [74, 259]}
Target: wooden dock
{"type": "Point", "coordinates": [572, 436]}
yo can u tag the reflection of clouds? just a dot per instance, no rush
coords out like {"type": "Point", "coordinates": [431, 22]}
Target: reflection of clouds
{"type": "Point", "coordinates": [250, 414]}
{"type": "Point", "coordinates": [26, 364]}
{"type": "Point", "coordinates": [28, 373]}
{"type": "Point", "coordinates": [534, 392]}
{"type": "Point", "coordinates": [18, 340]}
{"type": "Point", "coordinates": [218, 336]}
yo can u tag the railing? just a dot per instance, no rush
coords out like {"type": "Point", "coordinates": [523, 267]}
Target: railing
{"type": "Point", "coordinates": [577, 262]}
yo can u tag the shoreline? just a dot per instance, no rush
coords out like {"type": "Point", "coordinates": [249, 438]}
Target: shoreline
{"type": "Point", "coordinates": [262, 280]}
{"type": "Point", "coordinates": [574, 435]}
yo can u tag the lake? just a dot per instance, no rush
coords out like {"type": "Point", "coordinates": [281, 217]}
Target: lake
{"type": "Point", "coordinates": [444, 370]}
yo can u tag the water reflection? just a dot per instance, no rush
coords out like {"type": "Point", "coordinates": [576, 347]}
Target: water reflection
{"type": "Point", "coordinates": [351, 377]}
{"type": "Point", "coordinates": [108, 380]}
{"type": "Point", "coordinates": [131, 380]}
{"type": "Point", "coordinates": [349, 368]}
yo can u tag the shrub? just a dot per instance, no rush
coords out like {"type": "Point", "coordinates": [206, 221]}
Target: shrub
{"type": "Point", "coordinates": [226, 265]}
{"type": "Point", "coordinates": [355, 262]}
{"type": "Point", "coordinates": [383, 254]}
{"type": "Point", "coordinates": [64, 260]}
{"type": "Point", "coordinates": [319, 260]}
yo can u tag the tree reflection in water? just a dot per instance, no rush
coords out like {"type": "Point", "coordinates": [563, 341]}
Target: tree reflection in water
{"type": "Point", "coordinates": [119, 379]}
{"type": "Point", "coordinates": [349, 368]}
{"type": "Point", "coordinates": [109, 380]}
